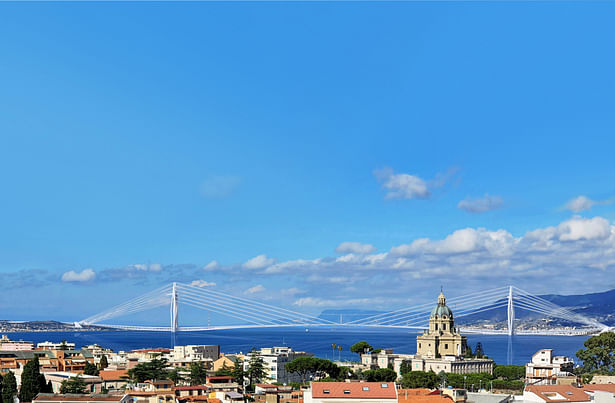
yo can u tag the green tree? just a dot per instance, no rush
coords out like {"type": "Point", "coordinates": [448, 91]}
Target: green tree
{"type": "Point", "coordinates": [469, 353]}
{"type": "Point", "coordinates": [509, 372]}
{"type": "Point", "coordinates": [43, 385]}
{"type": "Point", "coordinates": [104, 363]}
{"type": "Point", "coordinates": [9, 387]}
{"type": "Point", "coordinates": [154, 369]}
{"type": "Point", "coordinates": [74, 385]}
{"type": "Point", "coordinates": [443, 379]}
{"type": "Point", "coordinates": [63, 345]}
{"type": "Point", "coordinates": [238, 373]}
{"type": "Point", "coordinates": [478, 351]}
{"type": "Point", "coordinates": [256, 369]}
{"type": "Point", "coordinates": [598, 356]}
{"type": "Point", "coordinates": [318, 367]}
{"type": "Point", "coordinates": [90, 369]}
{"type": "Point", "coordinates": [198, 373]}
{"type": "Point", "coordinates": [420, 379]}
{"type": "Point", "coordinates": [175, 376]}
{"type": "Point", "coordinates": [302, 366]}
{"type": "Point", "coordinates": [224, 371]}
{"type": "Point", "coordinates": [31, 381]}
{"type": "Point", "coordinates": [380, 375]}
{"type": "Point", "coordinates": [405, 367]}
{"type": "Point", "coordinates": [361, 347]}
{"type": "Point", "coordinates": [1, 385]}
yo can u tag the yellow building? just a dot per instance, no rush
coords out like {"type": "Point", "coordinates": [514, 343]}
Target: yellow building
{"type": "Point", "coordinates": [442, 339]}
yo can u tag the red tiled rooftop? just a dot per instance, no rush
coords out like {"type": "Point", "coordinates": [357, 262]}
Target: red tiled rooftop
{"type": "Point", "coordinates": [354, 390]}
{"type": "Point", "coordinates": [415, 392]}
{"type": "Point", "coordinates": [569, 393]}
{"type": "Point", "coordinates": [113, 375]}
{"type": "Point", "coordinates": [403, 398]}
{"type": "Point", "coordinates": [605, 387]}
{"type": "Point", "coordinates": [45, 397]}
{"type": "Point", "coordinates": [196, 387]}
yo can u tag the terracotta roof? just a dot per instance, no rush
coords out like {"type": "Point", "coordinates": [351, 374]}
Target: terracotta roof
{"type": "Point", "coordinates": [415, 392]}
{"type": "Point", "coordinates": [219, 377]}
{"type": "Point", "coordinates": [196, 387]}
{"type": "Point", "coordinates": [265, 386]}
{"type": "Point", "coordinates": [354, 390]}
{"type": "Point", "coordinates": [605, 387]}
{"type": "Point", "coordinates": [49, 397]}
{"type": "Point", "coordinates": [152, 350]}
{"type": "Point", "coordinates": [403, 398]}
{"type": "Point", "coordinates": [559, 393]}
{"type": "Point", "coordinates": [108, 375]}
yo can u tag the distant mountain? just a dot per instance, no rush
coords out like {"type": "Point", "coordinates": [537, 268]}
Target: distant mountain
{"type": "Point", "coordinates": [599, 306]}
{"type": "Point", "coordinates": [42, 326]}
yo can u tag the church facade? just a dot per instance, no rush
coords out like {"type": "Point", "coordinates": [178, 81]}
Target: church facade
{"type": "Point", "coordinates": [441, 348]}
{"type": "Point", "coordinates": [442, 338]}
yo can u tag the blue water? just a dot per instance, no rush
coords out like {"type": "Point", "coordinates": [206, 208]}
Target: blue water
{"type": "Point", "coordinates": [317, 341]}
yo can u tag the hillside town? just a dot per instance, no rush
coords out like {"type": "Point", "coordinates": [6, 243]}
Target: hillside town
{"type": "Point", "coordinates": [444, 370]}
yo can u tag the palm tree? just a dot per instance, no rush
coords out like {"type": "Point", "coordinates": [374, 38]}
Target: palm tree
{"type": "Point", "coordinates": [340, 350]}
{"type": "Point", "coordinates": [333, 347]}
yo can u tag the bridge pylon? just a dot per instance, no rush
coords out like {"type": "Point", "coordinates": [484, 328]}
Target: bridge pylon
{"type": "Point", "coordinates": [511, 312]}
{"type": "Point", "coordinates": [174, 304]}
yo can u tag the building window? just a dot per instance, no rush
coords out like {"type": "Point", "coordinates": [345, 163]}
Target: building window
{"type": "Point", "coordinates": [444, 326]}
{"type": "Point", "coordinates": [446, 346]}
{"type": "Point", "coordinates": [346, 392]}
{"type": "Point", "coordinates": [436, 326]}
{"type": "Point", "coordinates": [326, 391]}
{"type": "Point", "coordinates": [366, 388]}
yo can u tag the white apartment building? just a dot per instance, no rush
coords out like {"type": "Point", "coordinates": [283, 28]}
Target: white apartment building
{"type": "Point", "coordinates": [275, 360]}
{"type": "Point", "coordinates": [544, 369]}
{"type": "Point", "coordinates": [50, 345]}
{"type": "Point", "coordinates": [192, 353]}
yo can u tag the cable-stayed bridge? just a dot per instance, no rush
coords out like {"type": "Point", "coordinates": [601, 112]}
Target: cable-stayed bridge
{"type": "Point", "coordinates": [254, 314]}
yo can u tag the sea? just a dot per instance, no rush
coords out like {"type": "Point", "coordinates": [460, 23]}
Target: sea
{"type": "Point", "coordinates": [503, 349]}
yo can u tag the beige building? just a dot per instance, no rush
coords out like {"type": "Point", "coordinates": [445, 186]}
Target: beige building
{"type": "Point", "coordinates": [440, 348]}
{"type": "Point", "coordinates": [547, 369]}
{"type": "Point", "coordinates": [442, 338]}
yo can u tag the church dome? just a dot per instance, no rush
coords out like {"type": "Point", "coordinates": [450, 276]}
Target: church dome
{"type": "Point", "coordinates": [441, 309]}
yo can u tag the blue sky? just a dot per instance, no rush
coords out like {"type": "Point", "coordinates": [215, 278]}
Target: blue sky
{"type": "Point", "coordinates": [318, 153]}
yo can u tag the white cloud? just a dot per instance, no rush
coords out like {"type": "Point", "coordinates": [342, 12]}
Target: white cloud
{"type": "Point", "coordinates": [480, 205]}
{"type": "Point", "coordinates": [289, 265]}
{"type": "Point", "coordinates": [584, 203]}
{"type": "Point", "coordinates": [202, 283]}
{"type": "Point", "coordinates": [292, 291]}
{"type": "Point", "coordinates": [211, 266]}
{"type": "Point", "coordinates": [156, 267]}
{"type": "Point", "coordinates": [258, 262]}
{"type": "Point", "coordinates": [579, 228]}
{"type": "Point", "coordinates": [402, 186]}
{"type": "Point", "coordinates": [256, 289]}
{"type": "Point", "coordinates": [355, 247]}
{"type": "Point", "coordinates": [74, 277]}
{"type": "Point", "coordinates": [218, 187]}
